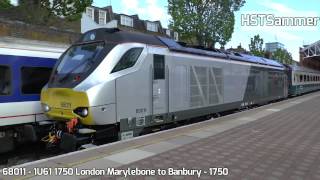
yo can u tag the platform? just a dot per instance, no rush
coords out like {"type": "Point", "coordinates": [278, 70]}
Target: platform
{"type": "Point", "coordinates": [275, 141]}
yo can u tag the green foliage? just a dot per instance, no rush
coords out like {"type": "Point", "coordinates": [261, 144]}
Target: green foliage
{"type": "Point", "coordinates": [42, 11]}
{"type": "Point", "coordinates": [206, 21]}
{"type": "Point", "coordinates": [32, 12]}
{"type": "Point", "coordinates": [283, 56]}
{"type": "Point", "coordinates": [255, 46]}
{"type": "Point", "coordinates": [5, 4]}
{"type": "Point", "coordinates": [70, 9]}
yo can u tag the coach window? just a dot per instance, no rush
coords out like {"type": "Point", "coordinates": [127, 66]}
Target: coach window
{"type": "Point", "coordinates": [5, 81]}
{"type": "Point", "coordinates": [128, 60]}
{"type": "Point", "coordinates": [33, 79]}
{"type": "Point", "coordinates": [158, 63]}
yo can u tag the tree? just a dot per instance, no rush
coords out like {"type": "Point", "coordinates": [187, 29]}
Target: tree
{"type": "Point", "coordinates": [255, 46]}
{"type": "Point", "coordinates": [226, 29]}
{"type": "Point", "coordinates": [32, 12]}
{"type": "Point", "coordinates": [43, 10]}
{"type": "Point", "coordinates": [282, 56]}
{"type": "Point", "coordinates": [70, 9]}
{"type": "Point", "coordinates": [206, 21]}
{"type": "Point", "coordinates": [5, 4]}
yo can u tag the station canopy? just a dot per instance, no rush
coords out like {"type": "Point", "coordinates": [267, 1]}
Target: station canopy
{"type": "Point", "coordinates": [310, 56]}
{"type": "Point", "coordinates": [312, 51]}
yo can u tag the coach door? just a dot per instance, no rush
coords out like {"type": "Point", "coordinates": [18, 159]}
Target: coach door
{"type": "Point", "coordinates": [285, 79]}
{"type": "Point", "coordinates": [159, 89]}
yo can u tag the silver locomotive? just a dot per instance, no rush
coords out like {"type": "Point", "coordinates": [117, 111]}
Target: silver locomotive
{"type": "Point", "coordinates": [116, 83]}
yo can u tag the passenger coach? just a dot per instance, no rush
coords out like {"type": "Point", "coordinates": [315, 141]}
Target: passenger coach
{"type": "Point", "coordinates": [302, 80]}
{"type": "Point", "coordinates": [25, 67]}
{"type": "Point", "coordinates": [113, 82]}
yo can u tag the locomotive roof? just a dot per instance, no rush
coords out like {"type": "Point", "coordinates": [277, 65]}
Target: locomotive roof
{"type": "Point", "coordinates": [174, 46]}
{"type": "Point", "coordinates": [119, 36]}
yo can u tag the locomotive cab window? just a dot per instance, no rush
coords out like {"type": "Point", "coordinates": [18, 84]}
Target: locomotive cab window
{"type": "Point", "coordinates": [5, 81]}
{"type": "Point", "coordinates": [80, 58]}
{"type": "Point", "coordinates": [33, 79]}
{"type": "Point", "coordinates": [78, 62]}
{"type": "Point", "coordinates": [128, 60]}
{"type": "Point", "coordinates": [158, 63]}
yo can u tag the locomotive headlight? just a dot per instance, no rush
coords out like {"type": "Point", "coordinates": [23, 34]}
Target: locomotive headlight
{"type": "Point", "coordinates": [81, 111]}
{"type": "Point", "coordinates": [84, 112]}
{"type": "Point", "coordinates": [45, 108]}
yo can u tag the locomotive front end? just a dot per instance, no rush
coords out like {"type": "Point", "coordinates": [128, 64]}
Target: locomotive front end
{"type": "Point", "coordinates": [81, 95]}
{"type": "Point", "coordinates": [66, 95]}
{"type": "Point", "coordinates": [63, 104]}
{"type": "Point", "coordinates": [72, 97]}
{"type": "Point", "coordinates": [78, 79]}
